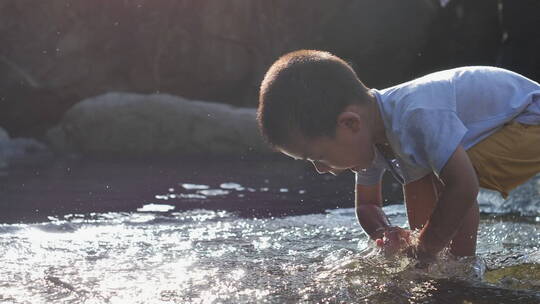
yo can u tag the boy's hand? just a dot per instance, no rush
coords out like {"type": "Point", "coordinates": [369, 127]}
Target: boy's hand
{"type": "Point", "coordinates": [394, 241]}
{"type": "Point", "coordinates": [397, 240]}
{"type": "Point", "coordinates": [423, 257]}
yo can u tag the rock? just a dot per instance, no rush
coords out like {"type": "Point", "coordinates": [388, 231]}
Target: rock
{"type": "Point", "coordinates": [29, 112]}
{"type": "Point", "coordinates": [4, 138]}
{"type": "Point", "coordinates": [464, 33]}
{"type": "Point", "coordinates": [25, 150]}
{"type": "Point", "coordinates": [131, 124]}
{"type": "Point", "coordinates": [3, 134]}
{"type": "Point", "coordinates": [522, 276]}
{"type": "Point", "coordinates": [521, 41]}
{"type": "Point", "coordinates": [56, 53]}
{"type": "Point", "coordinates": [204, 49]}
{"type": "Point", "coordinates": [56, 138]}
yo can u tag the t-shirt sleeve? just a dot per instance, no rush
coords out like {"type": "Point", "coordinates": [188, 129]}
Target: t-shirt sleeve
{"type": "Point", "coordinates": [369, 176]}
{"type": "Point", "coordinates": [430, 136]}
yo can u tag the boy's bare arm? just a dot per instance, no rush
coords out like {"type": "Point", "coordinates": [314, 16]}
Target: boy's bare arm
{"type": "Point", "coordinates": [369, 210]}
{"type": "Point", "coordinates": [458, 196]}
{"type": "Point", "coordinates": [421, 197]}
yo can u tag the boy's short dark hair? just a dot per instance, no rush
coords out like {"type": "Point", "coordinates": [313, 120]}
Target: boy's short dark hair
{"type": "Point", "coordinates": [305, 91]}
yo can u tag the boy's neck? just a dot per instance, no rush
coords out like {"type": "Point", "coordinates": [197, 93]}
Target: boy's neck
{"type": "Point", "coordinates": [377, 123]}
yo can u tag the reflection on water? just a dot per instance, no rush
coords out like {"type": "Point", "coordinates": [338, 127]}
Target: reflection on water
{"type": "Point", "coordinates": [110, 232]}
{"type": "Point", "coordinates": [202, 256]}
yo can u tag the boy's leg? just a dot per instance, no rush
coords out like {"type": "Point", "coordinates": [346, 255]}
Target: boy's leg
{"type": "Point", "coordinates": [464, 242]}
{"type": "Point", "coordinates": [421, 197]}
{"type": "Point", "coordinates": [502, 161]}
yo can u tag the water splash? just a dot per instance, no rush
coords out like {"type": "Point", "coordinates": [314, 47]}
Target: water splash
{"type": "Point", "coordinates": [524, 200]}
{"type": "Point", "coordinates": [203, 256]}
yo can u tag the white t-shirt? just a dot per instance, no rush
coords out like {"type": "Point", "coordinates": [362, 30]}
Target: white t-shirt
{"type": "Point", "coordinates": [427, 118]}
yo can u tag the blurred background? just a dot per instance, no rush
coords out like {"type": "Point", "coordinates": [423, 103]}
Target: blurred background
{"type": "Point", "coordinates": [132, 169]}
{"type": "Point", "coordinates": [92, 90]}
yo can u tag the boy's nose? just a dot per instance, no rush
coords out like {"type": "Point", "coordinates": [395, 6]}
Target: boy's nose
{"type": "Point", "coordinates": [322, 169]}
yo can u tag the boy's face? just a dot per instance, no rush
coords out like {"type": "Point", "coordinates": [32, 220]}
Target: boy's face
{"type": "Point", "coordinates": [350, 149]}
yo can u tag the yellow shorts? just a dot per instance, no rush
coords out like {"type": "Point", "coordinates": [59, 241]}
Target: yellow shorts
{"type": "Point", "coordinates": [508, 157]}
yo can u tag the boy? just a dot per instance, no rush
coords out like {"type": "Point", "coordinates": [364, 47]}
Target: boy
{"type": "Point", "coordinates": [442, 136]}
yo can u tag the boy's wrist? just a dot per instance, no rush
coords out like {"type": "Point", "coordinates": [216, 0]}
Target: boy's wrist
{"type": "Point", "coordinates": [379, 232]}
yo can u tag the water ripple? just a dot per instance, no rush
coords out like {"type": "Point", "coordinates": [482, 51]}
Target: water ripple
{"type": "Point", "coordinates": [203, 256]}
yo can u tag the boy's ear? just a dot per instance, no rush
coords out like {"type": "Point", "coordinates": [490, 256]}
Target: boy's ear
{"type": "Point", "coordinates": [349, 120]}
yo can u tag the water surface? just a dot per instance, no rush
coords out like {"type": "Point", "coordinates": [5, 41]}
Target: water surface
{"type": "Point", "coordinates": [203, 256]}
{"type": "Point", "coordinates": [165, 249]}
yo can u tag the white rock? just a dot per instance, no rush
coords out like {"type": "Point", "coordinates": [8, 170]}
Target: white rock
{"type": "Point", "coordinates": [4, 138]}
{"type": "Point", "coordinates": [56, 138]}
{"type": "Point", "coordinates": [20, 149]}
{"type": "Point", "coordinates": [136, 124]}
{"type": "Point", "coordinates": [3, 134]}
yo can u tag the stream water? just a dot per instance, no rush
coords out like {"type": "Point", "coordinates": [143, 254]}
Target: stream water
{"type": "Point", "coordinates": [164, 251]}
